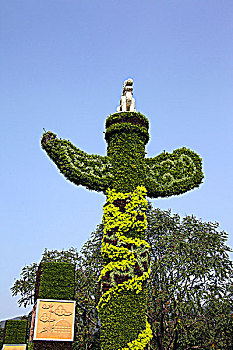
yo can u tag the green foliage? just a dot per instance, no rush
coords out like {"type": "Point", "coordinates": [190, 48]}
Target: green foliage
{"type": "Point", "coordinates": [125, 160]}
{"type": "Point", "coordinates": [88, 270]}
{"type": "Point", "coordinates": [127, 135]}
{"type": "Point", "coordinates": [91, 171]}
{"type": "Point", "coordinates": [173, 173]}
{"type": "Point", "coordinates": [57, 281]}
{"type": "Point", "coordinates": [122, 306]}
{"type": "Point", "coordinates": [116, 331]}
{"type": "Point", "coordinates": [125, 166]}
{"type": "Point", "coordinates": [30, 346]}
{"type": "Point", "coordinates": [25, 285]}
{"type": "Point", "coordinates": [126, 123]}
{"type": "Point", "coordinates": [67, 256]}
{"type": "Point", "coordinates": [133, 118]}
{"type": "Point", "coordinates": [179, 248]}
{"type": "Point", "coordinates": [190, 284]}
{"type": "Point", "coordinates": [88, 264]}
{"type": "Point", "coordinates": [126, 149]}
{"type": "Point", "coordinates": [15, 332]}
{"type": "Point", "coordinates": [1, 336]}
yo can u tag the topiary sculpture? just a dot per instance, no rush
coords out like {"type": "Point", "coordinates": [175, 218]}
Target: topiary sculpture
{"type": "Point", "coordinates": [126, 176]}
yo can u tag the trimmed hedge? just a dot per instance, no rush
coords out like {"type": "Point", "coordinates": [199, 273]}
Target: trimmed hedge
{"type": "Point", "coordinates": [126, 149]}
{"type": "Point", "coordinates": [174, 173]}
{"type": "Point", "coordinates": [55, 280]}
{"type": "Point", "coordinates": [89, 170]}
{"type": "Point", "coordinates": [15, 332]}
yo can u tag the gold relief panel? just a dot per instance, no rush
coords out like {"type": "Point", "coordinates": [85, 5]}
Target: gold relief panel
{"type": "Point", "coordinates": [54, 320]}
{"type": "Point", "coordinates": [14, 347]}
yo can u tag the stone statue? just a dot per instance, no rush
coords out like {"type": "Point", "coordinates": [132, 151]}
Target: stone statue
{"type": "Point", "coordinates": [127, 102]}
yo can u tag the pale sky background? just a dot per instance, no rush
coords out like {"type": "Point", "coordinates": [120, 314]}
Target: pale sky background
{"type": "Point", "coordinates": [63, 63]}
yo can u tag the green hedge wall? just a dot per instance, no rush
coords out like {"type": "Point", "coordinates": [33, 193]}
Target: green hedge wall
{"type": "Point", "coordinates": [1, 336]}
{"type": "Point", "coordinates": [127, 135]}
{"type": "Point", "coordinates": [15, 332]}
{"type": "Point", "coordinates": [114, 333]}
{"type": "Point", "coordinates": [56, 280]}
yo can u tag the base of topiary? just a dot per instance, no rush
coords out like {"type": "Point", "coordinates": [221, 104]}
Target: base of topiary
{"type": "Point", "coordinates": [51, 345]}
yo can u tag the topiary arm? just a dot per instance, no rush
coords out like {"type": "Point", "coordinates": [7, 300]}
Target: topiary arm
{"type": "Point", "coordinates": [173, 173]}
{"type": "Point", "coordinates": [91, 171]}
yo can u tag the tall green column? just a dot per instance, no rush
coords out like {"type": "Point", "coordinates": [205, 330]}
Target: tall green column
{"type": "Point", "coordinates": [126, 176]}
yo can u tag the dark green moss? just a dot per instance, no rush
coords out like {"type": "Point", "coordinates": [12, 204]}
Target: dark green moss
{"type": "Point", "coordinates": [123, 319]}
{"type": "Point", "coordinates": [127, 117]}
{"type": "Point", "coordinates": [15, 332]}
{"type": "Point", "coordinates": [127, 153]}
{"type": "Point", "coordinates": [173, 173]}
{"type": "Point", "coordinates": [57, 281]}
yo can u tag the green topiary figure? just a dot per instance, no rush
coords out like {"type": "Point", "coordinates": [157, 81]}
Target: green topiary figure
{"type": "Point", "coordinates": [126, 176]}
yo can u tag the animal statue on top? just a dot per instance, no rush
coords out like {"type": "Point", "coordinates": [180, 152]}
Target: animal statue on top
{"type": "Point", "coordinates": [127, 102]}
{"type": "Point", "coordinates": [126, 176]}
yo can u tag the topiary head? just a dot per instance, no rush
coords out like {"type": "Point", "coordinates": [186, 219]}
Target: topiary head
{"type": "Point", "coordinates": [120, 122]}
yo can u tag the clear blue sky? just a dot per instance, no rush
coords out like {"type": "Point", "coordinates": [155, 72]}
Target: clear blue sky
{"type": "Point", "coordinates": [63, 63]}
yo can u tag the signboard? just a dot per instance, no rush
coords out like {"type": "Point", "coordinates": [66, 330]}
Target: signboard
{"type": "Point", "coordinates": [54, 320]}
{"type": "Point", "coordinates": [14, 347]}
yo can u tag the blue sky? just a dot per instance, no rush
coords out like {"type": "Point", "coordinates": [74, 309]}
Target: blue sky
{"type": "Point", "coordinates": [63, 63]}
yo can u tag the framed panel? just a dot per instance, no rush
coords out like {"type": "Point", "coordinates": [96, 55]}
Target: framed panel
{"type": "Point", "coordinates": [14, 347]}
{"type": "Point", "coordinates": [54, 320]}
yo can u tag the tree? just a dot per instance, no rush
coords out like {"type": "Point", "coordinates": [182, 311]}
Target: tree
{"type": "Point", "coordinates": [25, 285]}
{"type": "Point", "coordinates": [87, 293]}
{"type": "Point", "coordinates": [190, 287]}
{"type": "Point", "coordinates": [190, 299]}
